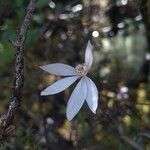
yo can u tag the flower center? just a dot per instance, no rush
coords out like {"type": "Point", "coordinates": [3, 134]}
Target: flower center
{"type": "Point", "coordinates": [81, 69]}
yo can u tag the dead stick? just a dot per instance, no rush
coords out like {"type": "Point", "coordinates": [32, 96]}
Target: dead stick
{"type": "Point", "coordinates": [7, 119]}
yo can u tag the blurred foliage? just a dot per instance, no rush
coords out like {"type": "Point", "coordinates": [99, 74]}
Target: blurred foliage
{"type": "Point", "coordinates": [59, 32]}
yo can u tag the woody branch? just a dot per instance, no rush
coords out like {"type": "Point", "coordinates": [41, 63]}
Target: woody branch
{"type": "Point", "coordinates": [7, 119]}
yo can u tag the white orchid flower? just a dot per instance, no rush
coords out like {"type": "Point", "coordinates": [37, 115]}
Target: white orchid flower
{"type": "Point", "coordinates": [84, 90]}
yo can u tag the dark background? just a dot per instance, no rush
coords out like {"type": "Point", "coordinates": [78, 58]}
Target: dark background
{"type": "Point", "coordinates": [59, 33]}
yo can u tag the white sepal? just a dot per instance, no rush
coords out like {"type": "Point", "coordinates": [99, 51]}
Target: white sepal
{"type": "Point", "coordinates": [59, 85]}
{"type": "Point", "coordinates": [92, 95]}
{"type": "Point", "coordinates": [59, 69]}
{"type": "Point", "coordinates": [77, 99]}
{"type": "Point", "coordinates": [89, 55]}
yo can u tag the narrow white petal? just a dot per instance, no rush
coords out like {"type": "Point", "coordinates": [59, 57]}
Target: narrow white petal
{"type": "Point", "coordinates": [59, 69]}
{"type": "Point", "coordinates": [59, 85]}
{"type": "Point", "coordinates": [77, 99]}
{"type": "Point", "coordinates": [92, 95]}
{"type": "Point", "coordinates": [89, 55]}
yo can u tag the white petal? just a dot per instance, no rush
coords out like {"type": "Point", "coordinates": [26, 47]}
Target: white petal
{"type": "Point", "coordinates": [77, 99]}
{"type": "Point", "coordinates": [92, 95]}
{"type": "Point", "coordinates": [89, 55]}
{"type": "Point", "coordinates": [59, 85]}
{"type": "Point", "coordinates": [59, 69]}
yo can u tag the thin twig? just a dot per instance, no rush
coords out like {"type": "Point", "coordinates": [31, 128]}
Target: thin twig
{"type": "Point", "coordinates": [7, 119]}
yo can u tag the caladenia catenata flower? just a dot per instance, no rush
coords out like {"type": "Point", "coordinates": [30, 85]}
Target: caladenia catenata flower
{"type": "Point", "coordinates": [85, 90]}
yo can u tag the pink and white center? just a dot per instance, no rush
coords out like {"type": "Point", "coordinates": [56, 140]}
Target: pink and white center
{"type": "Point", "coordinates": [81, 69]}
